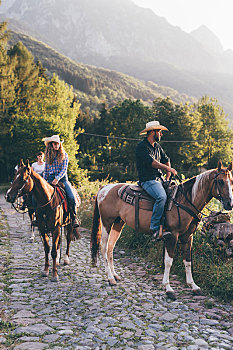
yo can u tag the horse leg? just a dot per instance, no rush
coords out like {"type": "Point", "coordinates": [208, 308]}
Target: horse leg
{"type": "Point", "coordinates": [45, 238]}
{"type": "Point", "coordinates": [31, 215]}
{"type": "Point", "coordinates": [170, 246]}
{"type": "Point", "coordinates": [69, 234]}
{"type": "Point", "coordinates": [187, 260]}
{"type": "Point", "coordinates": [58, 252]}
{"type": "Point", "coordinates": [106, 228]}
{"type": "Point", "coordinates": [114, 236]}
{"type": "Point", "coordinates": [56, 238]}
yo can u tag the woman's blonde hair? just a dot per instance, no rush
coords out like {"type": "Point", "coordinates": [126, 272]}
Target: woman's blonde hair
{"type": "Point", "coordinates": [50, 153]}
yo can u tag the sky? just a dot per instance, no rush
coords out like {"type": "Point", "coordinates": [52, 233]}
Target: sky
{"type": "Point", "coordinates": [217, 15]}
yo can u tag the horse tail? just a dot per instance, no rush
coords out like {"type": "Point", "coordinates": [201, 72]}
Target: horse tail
{"type": "Point", "coordinates": [95, 233]}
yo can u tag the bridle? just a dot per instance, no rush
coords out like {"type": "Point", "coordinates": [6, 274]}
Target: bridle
{"type": "Point", "coordinates": [191, 212]}
{"type": "Point", "coordinates": [20, 192]}
{"type": "Point", "coordinates": [215, 182]}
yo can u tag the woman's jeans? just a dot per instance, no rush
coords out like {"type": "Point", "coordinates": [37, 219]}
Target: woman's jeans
{"type": "Point", "coordinates": [155, 189]}
{"type": "Point", "coordinates": [69, 192]}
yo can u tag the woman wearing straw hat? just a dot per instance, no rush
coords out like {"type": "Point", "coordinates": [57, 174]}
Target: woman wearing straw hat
{"type": "Point", "coordinates": [56, 164]}
{"type": "Point", "coordinates": [151, 160]}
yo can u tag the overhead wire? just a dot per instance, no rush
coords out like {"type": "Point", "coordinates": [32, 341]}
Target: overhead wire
{"type": "Point", "coordinates": [162, 141]}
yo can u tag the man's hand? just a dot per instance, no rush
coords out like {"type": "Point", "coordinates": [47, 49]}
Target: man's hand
{"type": "Point", "coordinates": [55, 182]}
{"type": "Point", "coordinates": [173, 171]}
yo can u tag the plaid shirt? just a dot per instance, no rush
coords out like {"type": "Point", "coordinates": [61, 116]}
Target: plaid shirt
{"type": "Point", "coordinates": [58, 170]}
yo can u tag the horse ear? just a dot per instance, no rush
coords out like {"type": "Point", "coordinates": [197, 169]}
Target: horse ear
{"type": "Point", "coordinates": [230, 167]}
{"type": "Point", "coordinates": [27, 164]}
{"type": "Point", "coordinates": [21, 163]}
{"type": "Point", "coordinates": [219, 165]}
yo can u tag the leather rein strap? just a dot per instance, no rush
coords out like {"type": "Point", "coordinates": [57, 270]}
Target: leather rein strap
{"type": "Point", "coordinates": [197, 219]}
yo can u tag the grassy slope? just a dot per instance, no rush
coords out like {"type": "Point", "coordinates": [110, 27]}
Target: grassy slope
{"type": "Point", "coordinates": [95, 85]}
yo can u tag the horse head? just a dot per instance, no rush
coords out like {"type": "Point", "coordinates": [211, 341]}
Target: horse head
{"type": "Point", "coordinates": [222, 187]}
{"type": "Point", "coordinates": [21, 184]}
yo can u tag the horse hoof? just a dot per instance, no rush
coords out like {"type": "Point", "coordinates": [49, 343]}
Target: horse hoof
{"type": "Point", "coordinates": [31, 240]}
{"type": "Point", "coordinates": [112, 282]}
{"type": "Point", "coordinates": [197, 292]}
{"type": "Point", "coordinates": [117, 278]}
{"type": "Point", "coordinates": [44, 273]}
{"type": "Point", "coordinates": [67, 261]}
{"type": "Point", "coordinates": [171, 295]}
{"type": "Point", "coordinates": [55, 279]}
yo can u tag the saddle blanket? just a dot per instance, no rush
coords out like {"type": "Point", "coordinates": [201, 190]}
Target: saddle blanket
{"type": "Point", "coordinates": [128, 194]}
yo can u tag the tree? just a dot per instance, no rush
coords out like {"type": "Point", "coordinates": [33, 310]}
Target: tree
{"type": "Point", "coordinates": [180, 142]}
{"type": "Point", "coordinates": [214, 132]}
{"type": "Point", "coordinates": [7, 102]}
{"type": "Point", "coordinates": [26, 75]}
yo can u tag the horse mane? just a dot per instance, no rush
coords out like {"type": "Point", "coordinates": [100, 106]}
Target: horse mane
{"type": "Point", "coordinates": [199, 181]}
{"type": "Point", "coordinates": [194, 185]}
{"type": "Point", "coordinates": [39, 178]}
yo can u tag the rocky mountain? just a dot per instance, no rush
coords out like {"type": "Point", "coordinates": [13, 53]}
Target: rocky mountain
{"type": "Point", "coordinates": [207, 39]}
{"type": "Point", "coordinates": [103, 32]}
{"type": "Point", "coordinates": [122, 36]}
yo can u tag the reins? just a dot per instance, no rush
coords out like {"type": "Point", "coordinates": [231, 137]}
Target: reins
{"type": "Point", "coordinates": [197, 219]}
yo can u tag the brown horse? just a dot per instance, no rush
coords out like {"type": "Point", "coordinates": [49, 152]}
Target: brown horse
{"type": "Point", "coordinates": [111, 214]}
{"type": "Point", "coordinates": [49, 212]}
{"type": "Point", "coordinates": [23, 204]}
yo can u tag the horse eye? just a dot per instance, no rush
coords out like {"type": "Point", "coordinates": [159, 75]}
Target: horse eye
{"type": "Point", "coordinates": [220, 182]}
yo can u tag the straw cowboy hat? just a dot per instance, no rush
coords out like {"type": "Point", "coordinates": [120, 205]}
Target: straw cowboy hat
{"type": "Point", "coordinates": [154, 125]}
{"type": "Point", "coordinates": [54, 138]}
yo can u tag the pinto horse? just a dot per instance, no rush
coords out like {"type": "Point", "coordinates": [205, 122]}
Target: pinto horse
{"type": "Point", "coordinates": [49, 212]}
{"type": "Point", "coordinates": [111, 214]}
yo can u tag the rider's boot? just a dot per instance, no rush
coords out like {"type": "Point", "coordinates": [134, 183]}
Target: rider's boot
{"type": "Point", "coordinates": [75, 221]}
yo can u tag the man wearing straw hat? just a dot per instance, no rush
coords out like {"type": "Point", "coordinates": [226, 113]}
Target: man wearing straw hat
{"type": "Point", "coordinates": [151, 160]}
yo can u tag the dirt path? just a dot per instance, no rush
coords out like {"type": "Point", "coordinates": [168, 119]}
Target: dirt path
{"type": "Point", "coordinates": [82, 311]}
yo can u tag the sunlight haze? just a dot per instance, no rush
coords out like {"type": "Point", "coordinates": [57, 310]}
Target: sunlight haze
{"type": "Point", "coordinates": [191, 14]}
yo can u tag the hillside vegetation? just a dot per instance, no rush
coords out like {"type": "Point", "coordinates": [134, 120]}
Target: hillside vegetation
{"type": "Point", "coordinates": [95, 85]}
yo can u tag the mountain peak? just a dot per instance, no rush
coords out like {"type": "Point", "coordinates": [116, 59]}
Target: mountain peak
{"type": "Point", "coordinates": [207, 39]}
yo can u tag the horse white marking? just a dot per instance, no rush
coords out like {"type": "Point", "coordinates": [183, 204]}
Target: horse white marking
{"type": "Point", "coordinates": [66, 260]}
{"type": "Point", "coordinates": [58, 256]}
{"type": "Point", "coordinates": [8, 191]}
{"type": "Point", "coordinates": [189, 277]}
{"type": "Point", "coordinates": [104, 249]}
{"type": "Point", "coordinates": [103, 192]}
{"type": "Point", "coordinates": [230, 191]}
{"type": "Point", "coordinates": [168, 264]}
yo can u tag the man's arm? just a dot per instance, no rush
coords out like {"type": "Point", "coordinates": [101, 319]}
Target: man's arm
{"type": "Point", "coordinates": [166, 167]}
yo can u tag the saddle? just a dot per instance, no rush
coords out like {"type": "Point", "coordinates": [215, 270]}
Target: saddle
{"type": "Point", "coordinates": [135, 195]}
{"type": "Point", "coordinates": [62, 194]}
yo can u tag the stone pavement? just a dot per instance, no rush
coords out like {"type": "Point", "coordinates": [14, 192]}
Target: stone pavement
{"type": "Point", "coordinates": [82, 311]}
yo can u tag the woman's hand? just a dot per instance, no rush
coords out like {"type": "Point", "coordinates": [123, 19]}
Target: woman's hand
{"type": "Point", "coordinates": [55, 182]}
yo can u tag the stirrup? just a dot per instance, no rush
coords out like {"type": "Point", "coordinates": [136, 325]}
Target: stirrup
{"type": "Point", "coordinates": [75, 222]}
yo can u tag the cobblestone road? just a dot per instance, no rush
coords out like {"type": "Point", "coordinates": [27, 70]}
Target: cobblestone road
{"type": "Point", "coordinates": [82, 312]}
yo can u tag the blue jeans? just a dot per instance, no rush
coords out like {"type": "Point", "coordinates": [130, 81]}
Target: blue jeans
{"type": "Point", "coordinates": [69, 192]}
{"type": "Point", "coordinates": [155, 189]}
